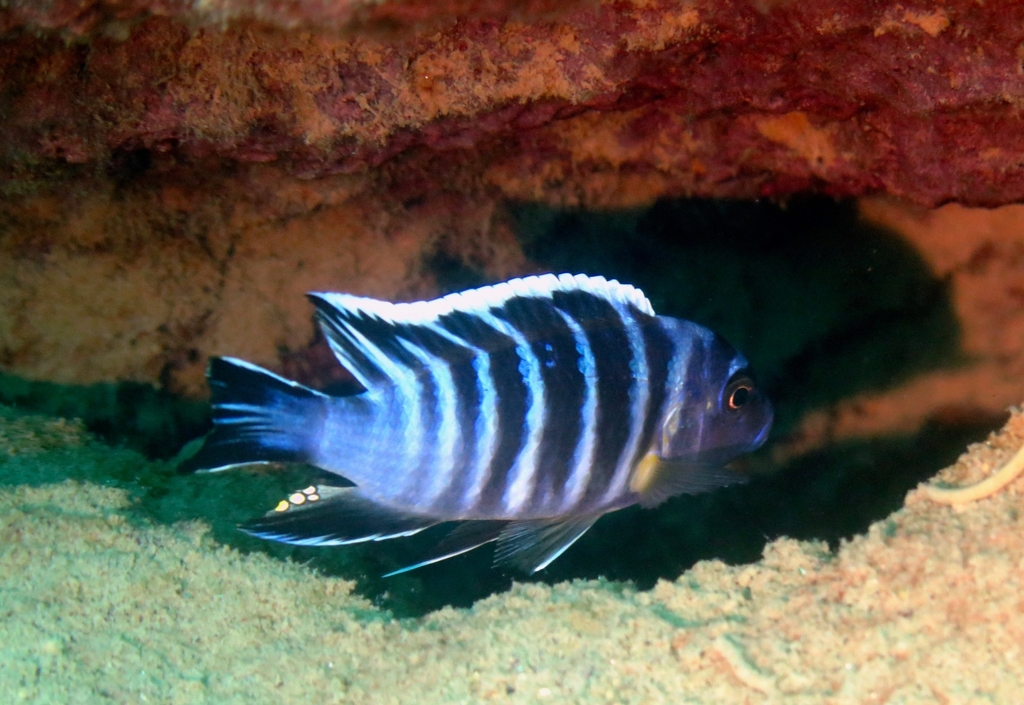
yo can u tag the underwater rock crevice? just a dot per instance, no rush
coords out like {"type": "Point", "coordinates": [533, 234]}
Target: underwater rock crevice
{"type": "Point", "coordinates": [620, 103]}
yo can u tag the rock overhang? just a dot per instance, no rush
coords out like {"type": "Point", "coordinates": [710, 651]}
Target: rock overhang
{"type": "Point", "coordinates": [597, 103]}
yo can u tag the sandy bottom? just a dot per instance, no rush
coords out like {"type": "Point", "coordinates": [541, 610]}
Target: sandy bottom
{"type": "Point", "coordinates": [927, 607]}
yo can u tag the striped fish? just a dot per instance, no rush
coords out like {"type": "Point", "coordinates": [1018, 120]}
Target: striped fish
{"type": "Point", "coordinates": [523, 411]}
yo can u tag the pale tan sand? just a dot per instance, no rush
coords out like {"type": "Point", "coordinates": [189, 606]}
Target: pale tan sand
{"type": "Point", "coordinates": [927, 607]}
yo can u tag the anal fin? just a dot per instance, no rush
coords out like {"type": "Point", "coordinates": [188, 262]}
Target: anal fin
{"type": "Point", "coordinates": [335, 516]}
{"type": "Point", "coordinates": [533, 544]}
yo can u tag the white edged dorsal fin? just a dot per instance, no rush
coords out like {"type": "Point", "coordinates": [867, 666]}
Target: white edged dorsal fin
{"type": "Point", "coordinates": [533, 544]}
{"type": "Point", "coordinates": [656, 479]}
{"type": "Point", "coordinates": [488, 297]}
{"type": "Point", "coordinates": [379, 340]}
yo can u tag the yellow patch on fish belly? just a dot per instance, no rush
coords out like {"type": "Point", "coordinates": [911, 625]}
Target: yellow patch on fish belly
{"type": "Point", "coordinates": [645, 473]}
{"type": "Point", "coordinates": [980, 490]}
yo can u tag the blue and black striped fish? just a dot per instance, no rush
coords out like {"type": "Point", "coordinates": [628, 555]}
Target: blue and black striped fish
{"type": "Point", "coordinates": [524, 411]}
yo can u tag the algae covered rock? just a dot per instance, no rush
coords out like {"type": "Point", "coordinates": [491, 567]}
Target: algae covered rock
{"type": "Point", "coordinates": [99, 603]}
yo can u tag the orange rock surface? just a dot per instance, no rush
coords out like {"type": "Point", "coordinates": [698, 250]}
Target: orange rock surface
{"type": "Point", "coordinates": [144, 284]}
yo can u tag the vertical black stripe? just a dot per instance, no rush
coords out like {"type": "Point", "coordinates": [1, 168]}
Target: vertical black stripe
{"type": "Point", "coordinates": [660, 346]}
{"type": "Point", "coordinates": [554, 345]}
{"type": "Point", "coordinates": [510, 386]}
{"type": "Point", "coordinates": [459, 359]}
{"type": "Point", "coordinates": [610, 344]}
{"type": "Point", "coordinates": [409, 488]}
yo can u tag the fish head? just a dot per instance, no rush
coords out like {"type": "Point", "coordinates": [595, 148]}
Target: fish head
{"type": "Point", "coordinates": [716, 411]}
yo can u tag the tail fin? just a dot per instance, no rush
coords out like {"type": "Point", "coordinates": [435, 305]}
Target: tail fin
{"type": "Point", "coordinates": [258, 417]}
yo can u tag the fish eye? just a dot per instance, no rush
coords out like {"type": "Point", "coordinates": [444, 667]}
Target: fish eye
{"type": "Point", "coordinates": [738, 392]}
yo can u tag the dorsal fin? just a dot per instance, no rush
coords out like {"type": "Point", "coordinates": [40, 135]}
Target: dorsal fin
{"type": "Point", "coordinates": [379, 340]}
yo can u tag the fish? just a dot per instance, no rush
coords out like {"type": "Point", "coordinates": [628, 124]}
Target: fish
{"type": "Point", "coordinates": [519, 413]}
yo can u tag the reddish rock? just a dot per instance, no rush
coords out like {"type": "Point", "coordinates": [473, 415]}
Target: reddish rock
{"type": "Point", "coordinates": [606, 103]}
{"type": "Point", "coordinates": [80, 17]}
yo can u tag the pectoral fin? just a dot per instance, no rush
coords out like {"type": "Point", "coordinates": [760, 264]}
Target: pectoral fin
{"type": "Point", "coordinates": [656, 479]}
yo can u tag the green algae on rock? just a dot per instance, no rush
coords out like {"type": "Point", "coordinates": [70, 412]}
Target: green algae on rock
{"type": "Point", "coordinates": [924, 607]}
